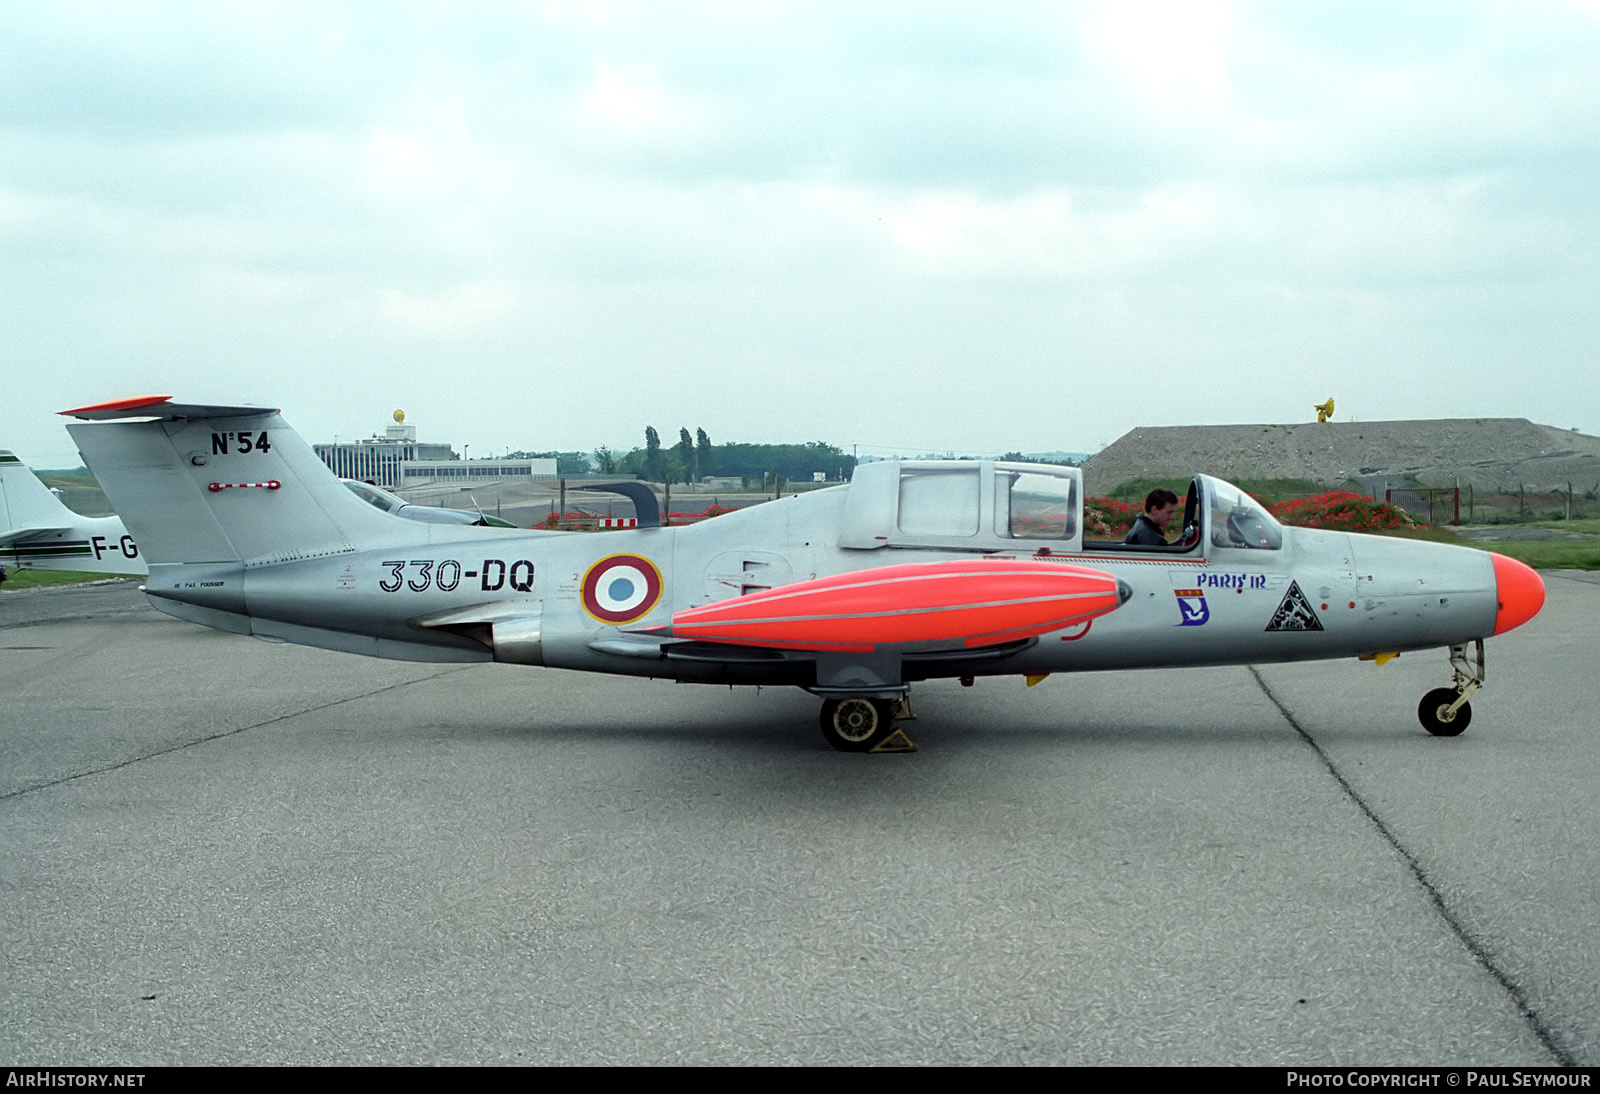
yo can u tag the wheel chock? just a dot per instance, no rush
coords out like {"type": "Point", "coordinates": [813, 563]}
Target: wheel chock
{"type": "Point", "coordinates": [895, 742]}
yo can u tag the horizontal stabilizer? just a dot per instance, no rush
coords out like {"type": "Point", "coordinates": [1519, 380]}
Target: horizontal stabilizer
{"type": "Point", "coordinates": [22, 535]}
{"type": "Point", "coordinates": [160, 407]}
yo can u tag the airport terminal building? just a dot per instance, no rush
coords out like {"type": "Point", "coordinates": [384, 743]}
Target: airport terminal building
{"type": "Point", "coordinates": [397, 459]}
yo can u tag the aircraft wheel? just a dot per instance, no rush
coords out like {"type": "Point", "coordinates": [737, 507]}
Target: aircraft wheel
{"type": "Point", "coordinates": [1433, 713]}
{"type": "Point", "coordinates": [856, 725]}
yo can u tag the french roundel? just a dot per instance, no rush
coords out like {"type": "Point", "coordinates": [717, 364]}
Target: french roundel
{"type": "Point", "coordinates": [621, 588]}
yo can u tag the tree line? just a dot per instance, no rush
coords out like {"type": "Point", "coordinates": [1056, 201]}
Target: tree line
{"type": "Point", "coordinates": [694, 457]}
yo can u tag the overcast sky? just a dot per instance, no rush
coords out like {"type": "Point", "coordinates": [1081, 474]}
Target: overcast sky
{"type": "Point", "coordinates": [927, 226]}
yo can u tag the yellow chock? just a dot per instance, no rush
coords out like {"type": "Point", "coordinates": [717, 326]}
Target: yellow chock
{"type": "Point", "coordinates": [895, 742]}
{"type": "Point", "coordinates": [1034, 677]}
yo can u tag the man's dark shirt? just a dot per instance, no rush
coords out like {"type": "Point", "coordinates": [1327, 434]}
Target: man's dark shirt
{"type": "Point", "coordinates": [1145, 533]}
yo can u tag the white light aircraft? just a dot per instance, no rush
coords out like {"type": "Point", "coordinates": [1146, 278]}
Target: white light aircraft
{"type": "Point", "coordinates": [37, 532]}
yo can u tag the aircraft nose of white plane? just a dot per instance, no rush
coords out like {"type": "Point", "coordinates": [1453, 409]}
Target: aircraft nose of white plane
{"type": "Point", "coordinates": [1519, 590]}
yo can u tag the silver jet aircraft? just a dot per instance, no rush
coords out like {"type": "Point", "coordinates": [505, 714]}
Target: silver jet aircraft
{"type": "Point", "coordinates": [914, 570]}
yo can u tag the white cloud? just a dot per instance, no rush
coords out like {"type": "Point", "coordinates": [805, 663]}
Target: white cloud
{"type": "Point", "coordinates": [1047, 234]}
{"type": "Point", "coordinates": [628, 98]}
{"type": "Point", "coordinates": [1173, 54]}
{"type": "Point", "coordinates": [463, 309]}
{"type": "Point", "coordinates": [789, 201]}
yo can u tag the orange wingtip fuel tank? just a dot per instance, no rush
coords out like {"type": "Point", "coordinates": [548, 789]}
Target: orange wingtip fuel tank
{"type": "Point", "coordinates": [925, 605]}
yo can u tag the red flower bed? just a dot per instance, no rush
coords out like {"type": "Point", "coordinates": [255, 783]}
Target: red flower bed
{"type": "Point", "coordinates": [707, 513]}
{"type": "Point", "coordinates": [1107, 519]}
{"type": "Point", "coordinates": [1342, 511]}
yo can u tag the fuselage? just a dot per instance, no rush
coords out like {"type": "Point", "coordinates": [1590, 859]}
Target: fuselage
{"type": "Point", "coordinates": [1318, 594]}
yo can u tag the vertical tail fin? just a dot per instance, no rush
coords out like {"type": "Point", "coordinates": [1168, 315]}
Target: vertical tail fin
{"type": "Point", "coordinates": [220, 484]}
{"type": "Point", "coordinates": [37, 532]}
{"type": "Point", "coordinates": [25, 502]}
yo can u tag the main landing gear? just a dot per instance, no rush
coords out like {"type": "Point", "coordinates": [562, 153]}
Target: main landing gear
{"type": "Point", "coordinates": [1445, 712]}
{"type": "Point", "coordinates": [860, 724]}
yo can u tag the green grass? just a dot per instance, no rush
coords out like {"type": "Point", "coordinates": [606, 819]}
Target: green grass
{"type": "Point", "coordinates": [1136, 489]}
{"type": "Point", "coordinates": [1549, 554]}
{"type": "Point", "coordinates": [17, 580]}
{"type": "Point", "coordinates": [1541, 554]}
{"type": "Point", "coordinates": [1543, 516]}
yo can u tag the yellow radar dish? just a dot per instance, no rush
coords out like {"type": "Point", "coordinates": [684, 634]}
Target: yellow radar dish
{"type": "Point", "coordinates": [1324, 410]}
{"type": "Point", "coordinates": [399, 416]}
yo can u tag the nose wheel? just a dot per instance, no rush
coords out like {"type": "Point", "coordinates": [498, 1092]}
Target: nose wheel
{"type": "Point", "coordinates": [857, 724]}
{"type": "Point", "coordinates": [1445, 712]}
{"type": "Point", "coordinates": [1441, 716]}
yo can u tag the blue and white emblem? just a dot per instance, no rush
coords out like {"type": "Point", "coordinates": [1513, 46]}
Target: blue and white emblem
{"type": "Point", "coordinates": [1192, 610]}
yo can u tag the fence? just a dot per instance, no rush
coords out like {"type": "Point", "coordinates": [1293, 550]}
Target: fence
{"type": "Point", "coordinates": [1433, 506]}
{"type": "Point", "coordinates": [1518, 504]}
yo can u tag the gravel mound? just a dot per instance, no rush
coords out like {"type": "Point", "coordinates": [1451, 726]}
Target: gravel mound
{"type": "Point", "coordinates": [1489, 453]}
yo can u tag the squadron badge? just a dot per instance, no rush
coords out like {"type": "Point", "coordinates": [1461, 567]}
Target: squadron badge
{"type": "Point", "coordinates": [1294, 612]}
{"type": "Point", "coordinates": [1192, 609]}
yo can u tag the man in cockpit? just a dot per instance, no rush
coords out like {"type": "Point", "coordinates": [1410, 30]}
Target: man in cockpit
{"type": "Point", "coordinates": [1159, 505]}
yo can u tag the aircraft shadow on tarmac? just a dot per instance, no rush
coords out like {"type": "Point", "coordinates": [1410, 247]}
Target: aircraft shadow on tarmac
{"type": "Point", "coordinates": [783, 724]}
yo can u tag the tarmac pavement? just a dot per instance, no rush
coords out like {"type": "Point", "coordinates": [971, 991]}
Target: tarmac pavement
{"type": "Point", "coordinates": [217, 850]}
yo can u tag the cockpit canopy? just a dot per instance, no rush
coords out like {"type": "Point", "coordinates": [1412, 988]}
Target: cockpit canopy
{"type": "Point", "coordinates": [992, 505]}
{"type": "Point", "coordinates": [389, 503]}
{"type": "Point", "coordinates": [1238, 520]}
{"type": "Point", "coordinates": [964, 504]}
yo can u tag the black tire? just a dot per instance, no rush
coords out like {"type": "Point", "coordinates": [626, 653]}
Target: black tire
{"type": "Point", "coordinates": [1432, 713]}
{"type": "Point", "coordinates": [856, 725]}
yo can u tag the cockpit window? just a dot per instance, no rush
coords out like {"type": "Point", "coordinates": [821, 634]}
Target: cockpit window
{"type": "Point", "coordinates": [1238, 521]}
{"type": "Point", "coordinates": [939, 503]}
{"type": "Point", "coordinates": [373, 496]}
{"type": "Point", "coordinates": [1034, 506]}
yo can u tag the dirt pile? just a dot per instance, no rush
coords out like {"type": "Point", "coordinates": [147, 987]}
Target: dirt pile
{"type": "Point", "coordinates": [1489, 453]}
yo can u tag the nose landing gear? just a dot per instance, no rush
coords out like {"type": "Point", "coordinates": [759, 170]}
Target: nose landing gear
{"type": "Point", "coordinates": [1445, 712]}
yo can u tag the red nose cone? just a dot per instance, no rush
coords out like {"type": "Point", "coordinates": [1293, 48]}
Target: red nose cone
{"type": "Point", "coordinates": [1521, 593]}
